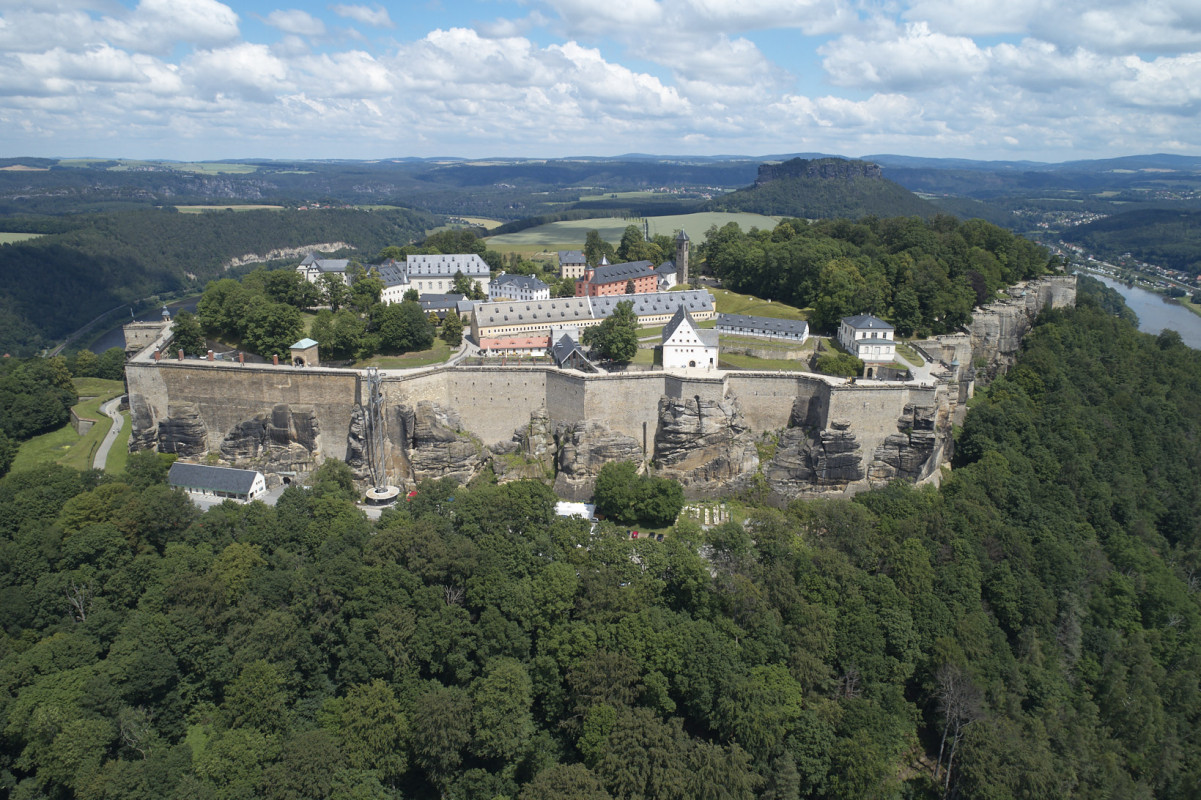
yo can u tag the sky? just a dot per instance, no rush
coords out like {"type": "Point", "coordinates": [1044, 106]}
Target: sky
{"type": "Point", "coordinates": [1044, 80]}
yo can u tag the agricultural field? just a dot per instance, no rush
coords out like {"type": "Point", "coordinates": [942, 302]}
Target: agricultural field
{"type": "Point", "coordinates": [12, 238]}
{"type": "Point", "coordinates": [570, 234]}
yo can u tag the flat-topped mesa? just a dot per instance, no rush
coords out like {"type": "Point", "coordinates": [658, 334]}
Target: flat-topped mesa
{"type": "Point", "coordinates": [829, 168]}
{"type": "Point", "coordinates": [715, 432]}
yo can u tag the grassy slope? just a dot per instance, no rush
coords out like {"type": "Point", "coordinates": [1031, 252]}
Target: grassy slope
{"type": "Point", "coordinates": [64, 446]}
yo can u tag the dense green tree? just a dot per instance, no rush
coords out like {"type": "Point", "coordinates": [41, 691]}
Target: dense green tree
{"type": "Point", "coordinates": [403, 327]}
{"type": "Point", "coordinates": [187, 334]}
{"type": "Point", "coordinates": [616, 337]}
{"type": "Point", "coordinates": [452, 329]}
{"type": "Point", "coordinates": [271, 328]}
{"type": "Point", "coordinates": [596, 248]}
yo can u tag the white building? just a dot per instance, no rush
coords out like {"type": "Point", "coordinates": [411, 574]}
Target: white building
{"type": "Point", "coordinates": [792, 330]}
{"type": "Point", "coordinates": [687, 346]}
{"type": "Point", "coordinates": [572, 264]}
{"type": "Point", "coordinates": [312, 268]}
{"type": "Point", "coordinates": [430, 274]}
{"type": "Point", "coordinates": [242, 485]}
{"type": "Point", "coordinates": [868, 338]}
{"type": "Point", "coordinates": [517, 287]}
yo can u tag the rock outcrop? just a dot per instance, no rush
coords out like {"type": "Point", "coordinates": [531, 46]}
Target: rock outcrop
{"type": "Point", "coordinates": [183, 431]}
{"type": "Point", "coordinates": [284, 440]}
{"type": "Point", "coordinates": [585, 447]}
{"type": "Point", "coordinates": [807, 462]}
{"type": "Point", "coordinates": [419, 443]}
{"type": "Point", "coordinates": [997, 329]}
{"type": "Point", "coordinates": [912, 453]}
{"type": "Point", "coordinates": [705, 445]}
{"type": "Point", "coordinates": [529, 454]}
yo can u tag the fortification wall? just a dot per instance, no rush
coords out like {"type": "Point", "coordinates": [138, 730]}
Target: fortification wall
{"type": "Point", "coordinates": [767, 399]}
{"type": "Point", "coordinates": [226, 394]}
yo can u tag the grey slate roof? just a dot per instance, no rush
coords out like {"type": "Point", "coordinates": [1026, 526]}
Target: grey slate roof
{"type": "Point", "coordinates": [528, 282]}
{"type": "Point", "coordinates": [325, 264]}
{"type": "Point", "coordinates": [440, 302]}
{"type": "Point", "coordinates": [788, 327]}
{"type": "Point", "coordinates": [563, 349]}
{"type": "Point", "coordinates": [555, 311]}
{"type": "Point", "coordinates": [653, 303]}
{"type": "Point", "coordinates": [571, 257]}
{"type": "Point", "coordinates": [563, 310]}
{"type": "Point", "coordinates": [666, 268]}
{"type": "Point", "coordinates": [867, 321]}
{"type": "Point", "coordinates": [681, 236]}
{"type": "Point", "coordinates": [392, 273]}
{"type": "Point", "coordinates": [445, 265]}
{"type": "Point", "coordinates": [214, 479]}
{"type": "Point", "coordinates": [611, 273]}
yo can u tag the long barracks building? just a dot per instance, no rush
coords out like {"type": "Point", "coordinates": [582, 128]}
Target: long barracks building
{"type": "Point", "coordinates": [493, 320]}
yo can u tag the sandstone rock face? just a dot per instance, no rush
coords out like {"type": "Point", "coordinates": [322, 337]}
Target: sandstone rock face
{"type": "Point", "coordinates": [808, 463]}
{"type": "Point", "coordinates": [284, 440]}
{"type": "Point", "coordinates": [143, 432]}
{"type": "Point", "coordinates": [705, 445]}
{"type": "Point", "coordinates": [183, 431]}
{"type": "Point", "coordinates": [529, 454]}
{"type": "Point", "coordinates": [997, 329]}
{"type": "Point", "coordinates": [585, 447]}
{"type": "Point", "coordinates": [915, 450]}
{"type": "Point", "coordinates": [420, 443]}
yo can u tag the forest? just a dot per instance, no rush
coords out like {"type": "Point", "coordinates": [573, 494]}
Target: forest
{"type": "Point", "coordinates": [55, 284]}
{"type": "Point", "coordinates": [1166, 238]}
{"type": "Point", "coordinates": [925, 276]}
{"type": "Point", "coordinates": [1031, 629]}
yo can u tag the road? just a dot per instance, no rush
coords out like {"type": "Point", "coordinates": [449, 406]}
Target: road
{"type": "Point", "coordinates": [110, 410]}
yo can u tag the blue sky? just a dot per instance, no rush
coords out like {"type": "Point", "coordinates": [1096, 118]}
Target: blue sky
{"type": "Point", "coordinates": [989, 79]}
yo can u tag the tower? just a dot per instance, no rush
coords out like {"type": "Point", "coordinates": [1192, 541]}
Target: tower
{"type": "Point", "coordinates": [682, 244]}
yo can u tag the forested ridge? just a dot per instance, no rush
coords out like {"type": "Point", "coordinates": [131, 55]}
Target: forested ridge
{"type": "Point", "coordinates": [1163, 237]}
{"type": "Point", "coordinates": [925, 276]}
{"type": "Point", "coordinates": [56, 283]}
{"type": "Point", "coordinates": [1031, 629]}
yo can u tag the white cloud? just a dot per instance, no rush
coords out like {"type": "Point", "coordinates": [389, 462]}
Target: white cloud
{"type": "Point", "coordinates": [246, 71]}
{"type": "Point", "coordinates": [295, 21]}
{"type": "Point", "coordinates": [376, 16]}
{"type": "Point", "coordinates": [156, 26]}
{"type": "Point", "coordinates": [915, 58]}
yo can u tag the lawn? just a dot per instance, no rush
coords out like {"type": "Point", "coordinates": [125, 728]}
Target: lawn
{"type": "Point", "coordinates": [437, 354]}
{"type": "Point", "coordinates": [12, 238]}
{"type": "Point", "coordinates": [734, 303]}
{"type": "Point", "coordinates": [767, 344]}
{"type": "Point", "coordinates": [570, 234]}
{"type": "Point", "coordinates": [908, 353]}
{"type": "Point", "coordinates": [66, 447]}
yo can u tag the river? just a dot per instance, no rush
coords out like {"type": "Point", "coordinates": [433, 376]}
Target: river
{"type": "Point", "coordinates": [115, 337]}
{"type": "Point", "coordinates": [1155, 313]}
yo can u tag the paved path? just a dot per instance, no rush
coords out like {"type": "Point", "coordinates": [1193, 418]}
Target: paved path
{"type": "Point", "coordinates": [110, 410]}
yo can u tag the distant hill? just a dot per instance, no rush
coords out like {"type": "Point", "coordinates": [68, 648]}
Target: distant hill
{"type": "Point", "coordinates": [824, 188]}
{"type": "Point", "coordinates": [95, 262]}
{"type": "Point", "coordinates": [1163, 237]}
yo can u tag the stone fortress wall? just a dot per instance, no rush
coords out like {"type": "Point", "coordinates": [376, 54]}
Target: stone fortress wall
{"type": "Point", "coordinates": [701, 428]}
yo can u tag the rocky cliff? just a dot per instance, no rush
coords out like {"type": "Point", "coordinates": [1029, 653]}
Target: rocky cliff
{"type": "Point", "coordinates": [585, 447]}
{"type": "Point", "coordinates": [420, 442]}
{"type": "Point", "coordinates": [705, 445]}
{"type": "Point", "coordinates": [283, 440]}
{"type": "Point", "coordinates": [825, 168]}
